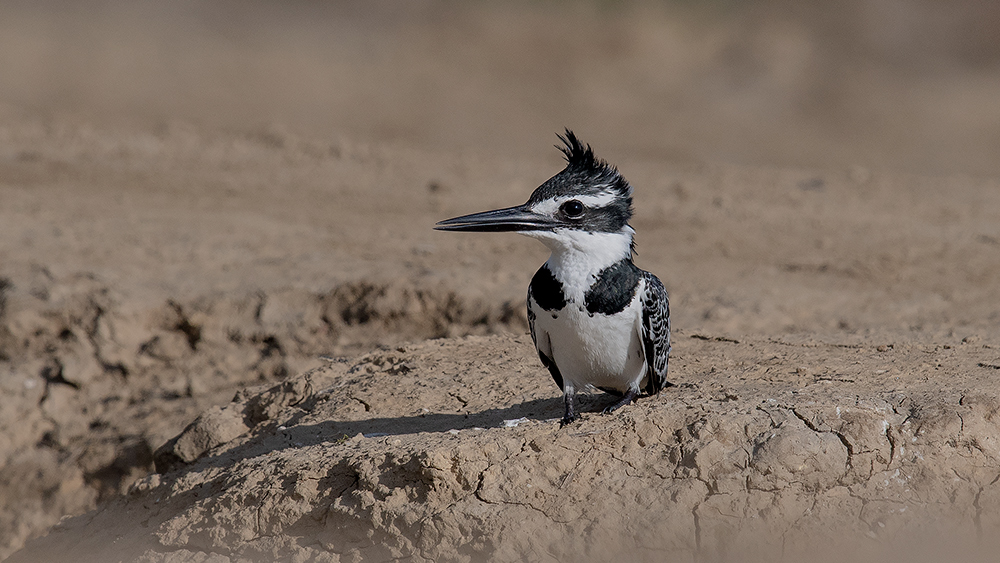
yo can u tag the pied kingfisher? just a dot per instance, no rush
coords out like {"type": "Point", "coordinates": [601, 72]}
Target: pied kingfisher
{"type": "Point", "coordinates": [596, 319]}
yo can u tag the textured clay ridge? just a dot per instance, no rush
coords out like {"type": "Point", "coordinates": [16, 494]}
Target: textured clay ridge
{"type": "Point", "coordinates": [747, 456]}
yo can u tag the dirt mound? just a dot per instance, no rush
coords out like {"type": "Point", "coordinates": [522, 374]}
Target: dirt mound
{"type": "Point", "coordinates": [95, 385]}
{"type": "Point", "coordinates": [195, 199]}
{"type": "Point", "coordinates": [290, 253]}
{"type": "Point", "coordinates": [449, 450]}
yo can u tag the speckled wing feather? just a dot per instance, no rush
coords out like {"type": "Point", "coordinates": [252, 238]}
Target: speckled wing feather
{"type": "Point", "coordinates": [531, 320]}
{"type": "Point", "coordinates": [655, 332]}
{"type": "Point", "coordinates": [546, 361]}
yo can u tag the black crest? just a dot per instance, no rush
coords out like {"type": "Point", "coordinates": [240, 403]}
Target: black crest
{"type": "Point", "coordinates": [579, 155]}
{"type": "Point", "coordinates": [582, 163]}
{"type": "Point", "coordinates": [585, 174]}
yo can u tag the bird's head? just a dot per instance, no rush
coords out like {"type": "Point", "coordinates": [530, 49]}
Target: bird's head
{"type": "Point", "coordinates": [588, 201]}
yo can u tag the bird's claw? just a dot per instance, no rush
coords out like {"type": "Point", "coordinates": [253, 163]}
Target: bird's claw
{"type": "Point", "coordinates": [568, 420]}
{"type": "Point", "coordinates": [628, 399]}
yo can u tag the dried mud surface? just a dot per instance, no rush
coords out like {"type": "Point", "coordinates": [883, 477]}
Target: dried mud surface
{"type": "Point", "coordinates": [835, 363]}
{"type": "Point", "coordinates": [229, 333]}
{"type": "Point", "coordinates": [450, 450]}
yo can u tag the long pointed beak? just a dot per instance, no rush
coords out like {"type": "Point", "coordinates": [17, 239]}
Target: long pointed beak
{"type": "Point", "coordinates": [499, 220]}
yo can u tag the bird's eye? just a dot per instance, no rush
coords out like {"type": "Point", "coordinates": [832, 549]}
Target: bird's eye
{"type": "Point", "coordinates": [572, 208]}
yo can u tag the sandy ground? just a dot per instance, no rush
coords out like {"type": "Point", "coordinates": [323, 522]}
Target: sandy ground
{"type": "Point", "coordinates": [450, 450]}
{"type": "Point", "coordinates": [183, 223]}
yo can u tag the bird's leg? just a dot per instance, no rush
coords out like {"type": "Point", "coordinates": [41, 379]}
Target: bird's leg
{"type": "Point", "coordinates": [568, 394]}
{"type": "Point", "coordinates": [630, 396]}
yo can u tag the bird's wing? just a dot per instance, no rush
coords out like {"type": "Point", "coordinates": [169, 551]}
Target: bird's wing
{"type": "Point", "coordinates": [542, 344]}
{"type": "Point", "coordinates": [655, 332]}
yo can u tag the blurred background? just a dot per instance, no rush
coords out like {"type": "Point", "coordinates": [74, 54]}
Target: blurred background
{"type": "Point", "coordinates": [197, 196]}
{"type": "Point", "coordinates": [896, 84]}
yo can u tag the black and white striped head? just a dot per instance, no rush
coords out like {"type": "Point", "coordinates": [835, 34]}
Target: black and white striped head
{"type": "Point", "coordinates": [589, 196]}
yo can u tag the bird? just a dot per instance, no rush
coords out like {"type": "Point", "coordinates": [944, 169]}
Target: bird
{"type": "Point", "coordinates": [596, 319]}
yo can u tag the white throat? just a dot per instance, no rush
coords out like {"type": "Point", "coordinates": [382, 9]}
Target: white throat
{"type": "Point", "coordinates": [578, 256]}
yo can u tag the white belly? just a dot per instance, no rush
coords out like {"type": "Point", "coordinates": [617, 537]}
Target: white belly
{"type": "Point", "coordinates": [602, 351]}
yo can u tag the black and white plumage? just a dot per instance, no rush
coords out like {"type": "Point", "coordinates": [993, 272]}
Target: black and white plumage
{"type": "Point", "coordinates": [596, 319]}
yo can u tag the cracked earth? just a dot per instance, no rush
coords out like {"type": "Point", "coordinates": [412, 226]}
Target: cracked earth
{"type": "Point", "coordinates": [310, 419]}
{"type": "Point", "coordinates": [850, 404]}
{"type": "Point", "coordinates": [228, 332]}
{"type": "Point", "coordinates": [720, 464]}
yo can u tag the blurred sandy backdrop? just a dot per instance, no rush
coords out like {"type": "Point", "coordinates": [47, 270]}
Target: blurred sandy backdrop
{"type": "Point", "coordinates": [197, 197]}
{"type": "Point", "coordinates": [899, 84]}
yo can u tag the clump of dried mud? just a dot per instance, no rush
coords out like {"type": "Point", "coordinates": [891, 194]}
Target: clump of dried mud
{"type": "Point", "coordinates": [835, 374]}
{"type": "Point", "coordinates": [835, 364]}
{"type": "Point", "coordinates": [449, 450]}
{"type": "Point", "coordinates": [92, 387]}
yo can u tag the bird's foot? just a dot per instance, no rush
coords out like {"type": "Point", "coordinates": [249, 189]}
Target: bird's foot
{"type": "Point", "coordinates": [568, 419]}
{"type": "Point", "coordinates": [570, 415]}
{"type": "Point", "coordinates": [630, 396]}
